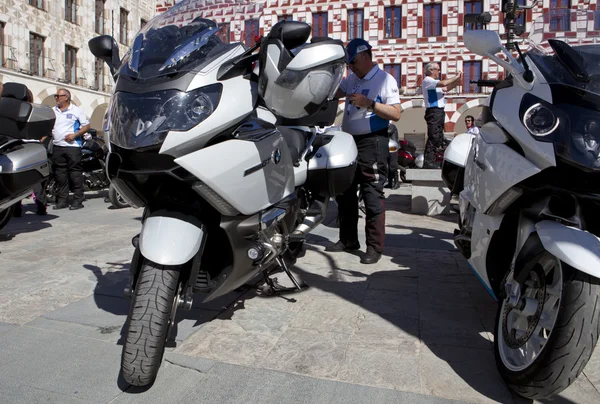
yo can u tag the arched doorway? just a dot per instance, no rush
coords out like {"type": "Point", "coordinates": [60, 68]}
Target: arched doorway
{"type": "Point", "coordinates": [97, 118]}
{"type": "Point", "coordinates": [411, 125]}
{"type": "Point", "coordinates": [49, 101]}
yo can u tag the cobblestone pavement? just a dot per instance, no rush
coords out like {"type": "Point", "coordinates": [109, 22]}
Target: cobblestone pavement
{"type": "Point", "coordinates": [416, 322]}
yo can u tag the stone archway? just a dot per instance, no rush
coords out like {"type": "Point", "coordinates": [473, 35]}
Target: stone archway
{"type": "Point", "coordinates": [472, 107]}
{"type": "Point", "coordinates": [411, 125]}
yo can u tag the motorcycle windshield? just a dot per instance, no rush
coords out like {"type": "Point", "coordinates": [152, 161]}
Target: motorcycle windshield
{"type": "Point", "coordinates": [578, 65]}
{"type": "Point", "coordinates": [175, 41]}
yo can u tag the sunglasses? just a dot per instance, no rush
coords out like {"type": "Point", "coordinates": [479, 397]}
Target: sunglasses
{"type": "Point", "coordinates": [59, 95]}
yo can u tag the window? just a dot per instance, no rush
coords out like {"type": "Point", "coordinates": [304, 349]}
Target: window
{"type": "Point", "coordinates": [473, 7]}
{"type": "Point", "coordinates": [471, 71]}
{"type": "Point", "coordinates": [124, 15]}
{"type": "Point", "coordinates": [250, 32]}
{"type": "Point", "coordinates": [520, 20]}
{"type": "Point", "coordinates": [396, 71]}
{"type": "Point", "coordinates": [143, 23]}
{"type": "Point", "coordinates": [36, 54]}
{"type": "Point", "coordinates": [37, 3]}
{"type": "Point", "coordinates": [99, 74]}
{"type": "Point", "coordinates": [432, 20]}
{"type": "Point", "coordinates": [319, 25]}
{"type": "Point", "coordinates": [100, 16]}
{"type": "Point", "coordinates": [224, 32]}
{"type": "Point", "coordinates": [355, 24]}
{"type": "Point", "coordinates": [596, 20]}
{"type": "Point", "coordinates": [2, 44]}
{"type": "Point", "coordinates": [71, 11]}
{"type": "Point", "coordinates": [285, 17]}
{"type": "Point", "coordinates": [70, 64]}
{"type": "Point", "coordinates": [560, 15]}
{"type": "Point", "coordinates": [393, 22]}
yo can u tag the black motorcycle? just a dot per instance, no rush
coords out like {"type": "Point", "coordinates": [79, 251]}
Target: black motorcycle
{"type": "Point", "coordinates": [93, 157]}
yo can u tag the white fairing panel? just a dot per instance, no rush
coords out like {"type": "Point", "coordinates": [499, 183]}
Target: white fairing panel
{"type": "Point", "coordinates": [169, 241]}
{"type": "Point", "coordinates": [225, 167]}
{"type": "Point", "coordinates": [339, 153]}
{"type": "Point", "coordinates": [458, 150]}
{"type": "Point", "coordinates": [491, 170]}
{"type": "Point", "coordinates": [314, 56]}
{"type": "Point", "coordinates": [575, 247]}
{"type": "Point", "coordinates": [506, 110]}
{"type": "Point", "coordinates": [238, 99]}
{"type": "Point", "coordinates": [484, 227]}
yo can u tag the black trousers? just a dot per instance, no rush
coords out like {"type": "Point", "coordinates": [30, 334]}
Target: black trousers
{"type": "Point", "coordinates": [66, 163]}
{"type": "Point", "coordinates": [371, 174]}
{"type": "Point", "coordinates": [435, 118]}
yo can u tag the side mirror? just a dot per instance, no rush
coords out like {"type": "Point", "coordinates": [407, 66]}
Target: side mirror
{"type": "Point", "coordinates": [291, 33]}
{"type": "Point", "coordinates": [487, 43]}
{"type": "Point", "coordinates": [105, 47]}
{"type": "Point", "coordinates": [483, 43]}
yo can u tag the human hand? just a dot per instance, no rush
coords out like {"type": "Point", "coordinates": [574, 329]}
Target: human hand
{"type": "Point", "coordinates": [359, 101]}
{"type": "Point", "coordinates": [70, 137]}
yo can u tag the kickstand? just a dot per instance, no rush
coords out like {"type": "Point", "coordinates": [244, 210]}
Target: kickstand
{"type": "Point", "coordinates": [272, 287]}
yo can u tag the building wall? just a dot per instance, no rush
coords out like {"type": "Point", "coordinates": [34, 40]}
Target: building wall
{"type": "Point", "coordinates": [412, 50]}
{"type": "Point", "coordinates": [19, 19]}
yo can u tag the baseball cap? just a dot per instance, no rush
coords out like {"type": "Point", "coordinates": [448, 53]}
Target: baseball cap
{"type": "Point", "coordinates": [355, 47]}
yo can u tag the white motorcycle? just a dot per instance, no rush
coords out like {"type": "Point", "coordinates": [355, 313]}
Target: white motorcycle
{"type": "Point", "coordinates": [226, 159]}
{"type": "Point", "coordinates": [529, 187]}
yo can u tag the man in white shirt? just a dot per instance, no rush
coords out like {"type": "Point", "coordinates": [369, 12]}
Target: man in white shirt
{"type": "Point", "coordinates": [372, 101]}
{"type": "Point", "coordinates": [71, 124]}
{"type": "Point", "coordinates": [434, 91]}
{"type": "Point", "coordinates": [471, 128]}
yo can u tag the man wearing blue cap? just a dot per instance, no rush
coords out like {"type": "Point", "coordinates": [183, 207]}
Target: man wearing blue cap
{"type": "Point", "coordinates": [372, 101]}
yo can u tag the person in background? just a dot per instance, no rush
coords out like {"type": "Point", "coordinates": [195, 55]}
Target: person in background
{"type": "Point", "coordinates": [372, 101]}
{"type": "Point", "coordinates": [71, 124]}
{"type": "Point", "coordinates": [434, 91]}
{"type": "Point", "coordinates": [471, 128]}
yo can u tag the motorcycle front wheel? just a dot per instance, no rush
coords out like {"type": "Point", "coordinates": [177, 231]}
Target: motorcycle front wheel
{"type": "Point", "coordinates": [543, 344]}
{"type": "Point", "coordinates": [151, 315]}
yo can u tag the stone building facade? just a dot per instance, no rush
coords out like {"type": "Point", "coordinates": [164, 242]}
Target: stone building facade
{"type": "Point", "coordinates": [406, 35]}
{"type": "Point", "coordinates": [44, 46]}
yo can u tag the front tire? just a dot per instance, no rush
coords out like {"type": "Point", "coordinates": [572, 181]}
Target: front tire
{"type": "Point", "coordinates": [549, 348]}
{"type": "Point", "coordinates": [152, 312]}
{"type": "Point", "coordinates": [6, 215]}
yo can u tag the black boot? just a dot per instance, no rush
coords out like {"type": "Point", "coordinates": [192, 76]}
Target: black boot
{"type": "Point", "coordinates": [340, 247]}
{"type": "Point", "coordinates": [371, 256]}
{"type": "Point", "coordinates": [395, 181]}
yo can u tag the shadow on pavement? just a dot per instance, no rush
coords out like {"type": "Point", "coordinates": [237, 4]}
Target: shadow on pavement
{"type": "Point", "coordinates": [29, 222]}
{"type": "Point", "coordinates": [448, 323]}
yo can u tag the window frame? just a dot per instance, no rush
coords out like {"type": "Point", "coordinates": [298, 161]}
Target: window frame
{"type": "Point", "coordinates": [356, 28]}
{"type": "Point", "coordinates": [391, 69]}
{"type": "Point", "coordinates": [71, 69]}
{"type": "Point", "coordinates": [466, 86]}
{"type": "Point", "coordinates": [33, 37]}
{"type": "Point", "coordinates": [386, 26]}
{"type": "Point", "coordinates": [472, 3]}
{"type": "Point", "coordinates": [560, 14]}
{"type": "Point", "coordinates": [430, 9]}
{"type": "Point", "coordinates": [123, 35]}
{"type": "Point", "coordinates": [71, 11]}
{"type": "Point", "coordinates": [319, 16]}
{"type": "Point", "coordinates": [254, 23]}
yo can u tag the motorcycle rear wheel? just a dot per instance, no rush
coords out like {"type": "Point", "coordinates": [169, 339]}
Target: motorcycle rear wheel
{"type": "Point", "coordinates": [150, 317]}
{"type": "Point", "coordinates": [115, 198]}
{"type": "Point", "coordinates": [564, 330]}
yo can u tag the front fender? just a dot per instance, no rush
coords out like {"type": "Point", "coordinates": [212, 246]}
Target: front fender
{"type": "Point", "coordinates": [169, 241]}
{"type": "Point", "coordinates": [577, 248]}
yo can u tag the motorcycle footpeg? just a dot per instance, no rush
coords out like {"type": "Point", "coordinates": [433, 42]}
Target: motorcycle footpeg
{"type": "Point", "coordinates": [135, 241]}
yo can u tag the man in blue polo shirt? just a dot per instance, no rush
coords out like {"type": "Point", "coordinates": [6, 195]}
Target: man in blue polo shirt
{"type": "Point", "coordinates": [71, 124]}
{"type": "Point", "coordinates": [372, 101]}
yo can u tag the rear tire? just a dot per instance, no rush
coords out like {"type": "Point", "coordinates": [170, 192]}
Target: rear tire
{"type": "Point", "coordinates": [152, 311]}
{"type": "Point", "coordinates": [115, 199]}
{"type": "Point", "coordinates": [570, 342]}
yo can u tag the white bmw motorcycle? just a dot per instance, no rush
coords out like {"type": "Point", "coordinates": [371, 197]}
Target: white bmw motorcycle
{"type": "Point", "coordinates": [529, 189]}
{"type": "Point", "coordinates": [226, 159]}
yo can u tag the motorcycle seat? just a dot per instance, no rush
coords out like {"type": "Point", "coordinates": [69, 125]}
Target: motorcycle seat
{"type": "Point", "coordinates": [296, 141]}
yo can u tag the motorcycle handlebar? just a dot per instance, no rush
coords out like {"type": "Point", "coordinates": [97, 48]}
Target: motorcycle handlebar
{"type": "Point", "coordinates": [486, 83]}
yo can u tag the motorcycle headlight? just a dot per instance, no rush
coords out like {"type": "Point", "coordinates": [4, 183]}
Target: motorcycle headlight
{"type": "Point", "coordinates": [183, 111]}
{"type": "Point", "coordinates": [141, 120]}
{"type": "Point", "coordinates": [540, 120]}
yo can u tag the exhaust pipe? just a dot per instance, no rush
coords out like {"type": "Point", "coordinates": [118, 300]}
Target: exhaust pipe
{"type": "Point", "coordinates": [314, 217]}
